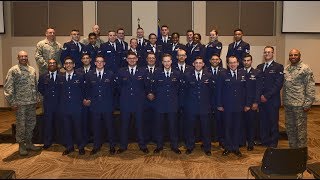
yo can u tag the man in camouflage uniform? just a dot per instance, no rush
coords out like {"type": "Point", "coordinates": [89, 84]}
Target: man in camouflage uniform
{"type": "Point", "coordinates": [99, 41]}
{"type": "Point", "coordinates": [20, 90]}
{"type": "Point", "coordinates": [298, 96]}
{"type": "Point", "coordinates": [47, 49]}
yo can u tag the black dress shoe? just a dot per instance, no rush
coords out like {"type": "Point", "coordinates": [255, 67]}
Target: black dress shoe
{"type": "Point", "coordinates": [82, 151]}
{"type": "Point", "coordinates": [250, 148]}
{"type": "Point", "coordinates": [157, 150]}
{"type": "Point", "coordinates": [46, 146]}
{"type": "Point", "coordinates": [176, 150]}
{"type": "Point", "coordinates": [145, 150]}
{"type": "Point", "coordinates": [208, 153]}
{"type": "Point", "coordinates": [67, 151]}
{"type": "Point", "coordinates": [225, 153]}
{"type": "Point", "coordinates": [189, 151]}
{"type": "Point", "coordinates": [112, 150]}
{"type": "Point", "coordinates": [238, 153]}
{"type": "Point", "coordinates": [119, 151]}
{"type": "Point", "coordinates": [94, 151]}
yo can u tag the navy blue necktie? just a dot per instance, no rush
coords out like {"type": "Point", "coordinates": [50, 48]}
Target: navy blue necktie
{"type": "Point", "coordinates": [69, 77]}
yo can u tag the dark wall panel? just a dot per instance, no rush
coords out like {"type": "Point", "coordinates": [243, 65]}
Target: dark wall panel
{"type": "Point", "coordinates": [177, 15]}
{"type": "Point", "coordinates": [112, 15]}
{"type": "Point", "coordinates": [257, 18]}
{"type": "Point", "coordinates": [223, 15]}
{"type": "Point", "coordinates": [29, 18]}
{"type": "Point", "coordinates": [65, 16]}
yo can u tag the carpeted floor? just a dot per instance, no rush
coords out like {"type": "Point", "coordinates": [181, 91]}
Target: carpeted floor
{"type": "Point", "coordinates": [134, 164]}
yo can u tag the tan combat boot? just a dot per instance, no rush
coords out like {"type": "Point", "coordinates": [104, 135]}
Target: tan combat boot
{"type": "Point", "coordinates": [22, 149]}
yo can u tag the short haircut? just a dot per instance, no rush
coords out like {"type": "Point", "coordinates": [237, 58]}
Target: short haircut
{"type": "Point", "coordinates": [238, 29]}
{"type": "Point", "coordinates": [131, 53]}
{"type": "Point", "coordinates": [215, 55]}
{"type": "Point", "coordinates": [166, 55]}
{"type": "Point", "coordinates": [269, 47]}
{"type": "Point", "coordinates": [215, 30]}
{"type": "Point", "coordinates": [68, 58]}
{"type": "Point", "coordinates": [132, 39]}
{"type": "Point", "coordinates": [198, 35]}
{"type": "Point", "coordinates": [198, 57]}
{"type": "Point", "coordinates": [152, 34]}
{"type": "Point", "coordinates": [164, 26]}
{"type": "Point", "coordinates": [111, 31]}
{"type": "Point", "coordinates": [232, 57]}
{"type": "Point", "coordinates": [248, 55]}
{"type": "Point", "coordinates": [85, 54]}
{"type": "Point", "coordinates": [77, 30]}
{"type": "Point", "coordinates": [92, 34]}
{"type": "Point", "coordinates": [119, 29]}
{"type": "Point", "coordinates": [175, 33]}
{"type": "Point", "coordinates": [99, 56]}
{"type": "Point", "coordinates": [190, 30]}
{"type": "Point", "coordinates": [151, 52]}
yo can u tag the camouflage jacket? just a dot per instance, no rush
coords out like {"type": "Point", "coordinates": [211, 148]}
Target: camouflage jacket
{"type": "Point", "coordinates": [20, 86]}
{"type": "Point", "coordinates": [299, 86]}
{"type": "Point", "coordinates": [46, 50]}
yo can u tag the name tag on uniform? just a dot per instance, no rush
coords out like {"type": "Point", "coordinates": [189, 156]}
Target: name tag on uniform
{"type": "Point", "coordinates": [206, 81]}
{"type": "Point", "coordinates": [148, 50]}
{"type": "Point", "coordinates": [76, 81]}
{"type": "Point", "coordinates": [227, 80]}
{"type": "Point", "coordinates": [272, 71]}
{"type": "Point", "coordinates": [140, 77]}
{"type": "Point", "coordinates": [218, 47]}
{"type": "Point", "coordinates": [192, 82]}
{"type": "Point", "coordinates": [160, 80]}
{"type": "Point", "coordinates": [93, 81]}
{"type": "Point", "coordinates": [174, 79]}
{"type": "Point", "coordinates": [239, 48]}
{"type": "Point", "coordinates": [108, 51]}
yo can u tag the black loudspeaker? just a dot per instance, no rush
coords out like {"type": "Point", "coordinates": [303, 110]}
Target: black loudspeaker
{"type": "Point", "coordinates": [7, 174]}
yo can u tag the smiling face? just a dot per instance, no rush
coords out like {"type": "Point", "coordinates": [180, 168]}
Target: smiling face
{"type": "Point", "coordinates": [23, 58]}
{"type": "Point", "coordinates": [294, 56]}
{"type": "Point", "coordinates": [233, 63]}
{"type": "Point", "coordinates": [198, 64]}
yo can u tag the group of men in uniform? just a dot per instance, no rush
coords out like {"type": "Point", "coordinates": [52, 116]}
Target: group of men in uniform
{"type": "Point", "coordinates": [154, 81]}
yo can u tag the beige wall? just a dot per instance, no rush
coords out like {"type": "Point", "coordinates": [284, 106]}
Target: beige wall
{"type": "Point", "coordinates": [147, 12]}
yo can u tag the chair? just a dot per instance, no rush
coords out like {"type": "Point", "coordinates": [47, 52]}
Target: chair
{"type": "Point", "coordinates": [314, 169]}
{"type": "Point", "coordinates": [281, 164]}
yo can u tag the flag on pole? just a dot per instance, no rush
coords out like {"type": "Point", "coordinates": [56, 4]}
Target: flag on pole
{"type": "Point", "coordinates": [139, 23]}
{"type": "Point", "coordinates": [159, 30]}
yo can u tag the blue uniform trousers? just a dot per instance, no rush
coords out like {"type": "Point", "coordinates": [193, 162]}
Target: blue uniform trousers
{"type": "Point", "coordinates": [159, 129]}
{"type": "Point", "coordinates": [125, 121]}
{"type": "Point", "coordinates": [205, 130]}
{"type": "Point", "coordinates": [232, 130]}
{"type": "Point", "coordinates": [101, 122]}
{"type": "Point", "coordinates": [269, 124]}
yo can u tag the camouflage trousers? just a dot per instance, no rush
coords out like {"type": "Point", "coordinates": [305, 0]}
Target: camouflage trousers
{"type": "Point", "coordinates": [296, 126]}
{"type": "Point", "coordinates": [25, 123]}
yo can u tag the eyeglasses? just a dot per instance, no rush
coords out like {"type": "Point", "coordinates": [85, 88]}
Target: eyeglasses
{"type": "Point", "coordinates": [52, 63]}
{"type": "Point", "coordinates": [267, 52]}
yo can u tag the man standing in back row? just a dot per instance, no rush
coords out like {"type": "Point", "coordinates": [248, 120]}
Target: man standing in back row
{"type": "Point", "coordinates": [238, 48]}
{"type": "Point", "coordinates": [298, 96]}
